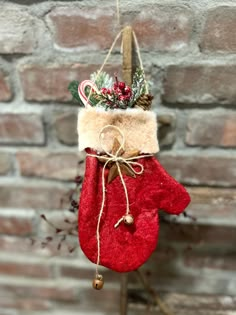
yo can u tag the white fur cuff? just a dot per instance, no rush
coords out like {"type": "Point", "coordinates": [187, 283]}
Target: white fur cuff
{"type": "Point", "coordinates": [139, 128]}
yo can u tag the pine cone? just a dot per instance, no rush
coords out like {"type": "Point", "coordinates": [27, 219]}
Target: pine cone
{"type": "Point", "coordinates": [144, 101]}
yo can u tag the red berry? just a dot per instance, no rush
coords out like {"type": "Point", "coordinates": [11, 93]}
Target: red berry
{"type": "Point", "coordinates": [118, 91]}
{"type": "Point", "coordinates": [122, 85]}
{"type": "Point", "coordinates": [127, 90]}
{"type": "Point", "coordinates": [103, 90]}
{"type": "Point", "coordinates": [122, 97]}
{"type": "Point", "coordinates": [115, 85]}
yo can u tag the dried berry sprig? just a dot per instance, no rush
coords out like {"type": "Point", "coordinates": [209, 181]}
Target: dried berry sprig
{"type": "Point", "coordinates": [118, 96]}
{"type": "Point", "coordinates": [67, 226]}
{"type": "Point", "coordinates": [111, 95]}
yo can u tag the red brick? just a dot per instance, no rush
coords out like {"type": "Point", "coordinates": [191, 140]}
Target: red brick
{"type": "Point", "coordinates": [194, 304]}
{"type": "Point", "coordinates": [62, 166]}
{"type": "Point", "coordinates": [14, 244]}
{"type": "Point", "coordinates": [50, 82]}
{"type": "Point", "coordinates": [5, 90]}
{"type": "Point", "coordinates": [66, 127]}
{"type": "Point", "coordinates": [218, 33]}
{"type": "Point", "coordinates": [162, 29]}
{"type": "Point", "coordinates": [31, 197]}
{"type": "Point", "coordinates": [30, 289]}
{"type": "Point", "coordinates": [90, 28]}
{"type": "Point", "coordinates": [200, 260]}
{"type": "Point", "coordinates": [209, 128]}
{"type": "Point", "coordinates": [198, 234]}
{"type": "Point", "coordinates": [26, 304]}
{"type": "Point", "coordinates": [5, 163]}
{"type": "Point", "coordinates": [21, 129]}
{"type": "Point", "coordinates": [212, 204]}
{"type": "Point", "coordinates": [16, 224]}
{"type": "Point", "coordinates": [25, 269]}
{"type": "Point", "coordinates": [166, 129]}
{"type": "Point", "coordinates": [201, 168]}
{"type": "Point", "coordinates": [19, 245]}
{"type": "Point", "coordinates": [31, 246]}
{"type": "Point", "coordinates": [199, 84]}
{"type": "Point", "coordinates": [17, 31]}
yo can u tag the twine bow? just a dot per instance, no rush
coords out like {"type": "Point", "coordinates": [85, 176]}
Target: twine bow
{"type": "Point", "coordinates": [117, 159]}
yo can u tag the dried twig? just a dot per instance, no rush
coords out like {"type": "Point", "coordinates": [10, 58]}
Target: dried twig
{"type": "Point", "coordinates": [123, 294]}
{"type": "Point", "coordinates": [68, 226]}
{"type": "Point", "coordinates": [164, 309]}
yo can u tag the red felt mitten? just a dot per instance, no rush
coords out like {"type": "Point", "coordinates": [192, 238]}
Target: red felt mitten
{"type": "Point", "coordinates": [104, 235]}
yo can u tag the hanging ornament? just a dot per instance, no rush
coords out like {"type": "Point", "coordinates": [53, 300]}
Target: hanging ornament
{"type": "Point", "coordinates": [124, 184]}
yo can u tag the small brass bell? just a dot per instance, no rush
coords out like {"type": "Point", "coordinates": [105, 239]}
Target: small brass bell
{"type": "Point", "coordinates": [98, 282]}
{"type": "Point", "coordinates": [128, 219]}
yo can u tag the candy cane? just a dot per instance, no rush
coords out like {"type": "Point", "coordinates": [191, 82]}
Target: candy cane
{"type": "Point", "coordinates": [81, 91]}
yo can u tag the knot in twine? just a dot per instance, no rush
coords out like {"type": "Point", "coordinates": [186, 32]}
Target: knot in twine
{"type": "Point", "coordinates": [115, 158]}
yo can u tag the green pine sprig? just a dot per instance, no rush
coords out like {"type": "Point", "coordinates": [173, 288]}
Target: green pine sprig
{"type": "Point", "coordinates": [138, 86]}
{"type": "Point", "coordinates": [73, 88]}
{"type": "Point", "coordinates": [102, 79]}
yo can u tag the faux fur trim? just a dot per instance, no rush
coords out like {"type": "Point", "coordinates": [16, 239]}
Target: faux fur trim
{"type": "Point", "coordinates": [139, 128]}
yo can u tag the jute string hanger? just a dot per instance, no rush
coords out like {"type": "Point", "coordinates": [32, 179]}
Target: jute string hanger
{"type": "Point", "coordinates": [128, 37]}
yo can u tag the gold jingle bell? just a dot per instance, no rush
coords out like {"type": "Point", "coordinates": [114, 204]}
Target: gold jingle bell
{"type": "Point", "coordinates": [128, 219]}
{"type": "Point", "coordinates": [98, 282]}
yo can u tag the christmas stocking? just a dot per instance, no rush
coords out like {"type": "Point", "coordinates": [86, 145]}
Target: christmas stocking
{"type": "Point", "coordinates": [124, 186]}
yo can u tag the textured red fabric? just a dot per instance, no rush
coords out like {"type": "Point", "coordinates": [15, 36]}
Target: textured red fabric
{"type": "Point", "coordinates": [126, 248]}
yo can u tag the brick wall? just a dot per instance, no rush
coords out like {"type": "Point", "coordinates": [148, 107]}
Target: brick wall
{"type": "Point", "coordinates": [189, 53]}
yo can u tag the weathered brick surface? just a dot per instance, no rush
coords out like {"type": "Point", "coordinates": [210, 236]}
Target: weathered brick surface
{"type": "Point", "coordinates": [34, 197]}
{"type": "Point", "coordinates": [211, 261]}
{"type": "Point", "coordinates": [21, 129]}
{"type": "Point", "coordinates": [13, 244]}
{"type": "Point", "coordinates": [162, 29]}
{"type": "Point", "coordinates": [166, 129]}
{"type": "Point", "coordinates": [200, 84]}
{"type": "Point", "coordinates": [43, 83]}
{"type": "Point", "coordinates": [16, 31]}
{"type": "Point", "coordinates": [212, 129]}
{"type": "Point", "coordinates": [43, 291]}
{"type": "Point", "coordinates": [5, 163]}
{"type": "Point", "coordinates": [89, 29]}
{"type": "Point", "coordinates": [212, 204]}
{"type": "Point", "coordinates": [66, 127]}
{"type": "Point", "coordinates": [218, 33]}
{"type": "Point", "coordinates": [5, 89]}
{"type": "Point", "coordinates": [194, 304]}
{"type": "Point", "coordinates": [25, 269]}
{"type": "Point", "coordinates": [30, 245]}
{"type": "Point", "coordinates": [198, 234]}
{"type": "Point", "coordinates": [15, 224]}
{"type": "Point", "coordinates": [61, 166]}
{"type": "Point", "coordinates": [201, 168]}
{"type": "Point", "coordinates": [25, 304]}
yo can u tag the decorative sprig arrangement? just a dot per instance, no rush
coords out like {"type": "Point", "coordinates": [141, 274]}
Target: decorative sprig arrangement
{"type": "Point", "coordinates": [115, 95]}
